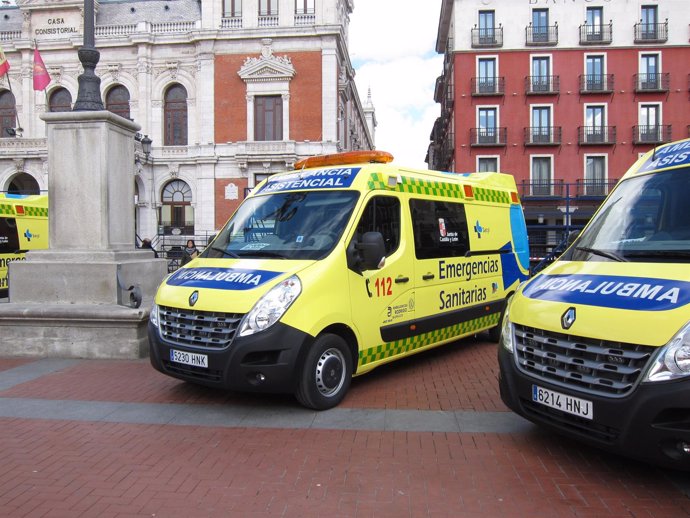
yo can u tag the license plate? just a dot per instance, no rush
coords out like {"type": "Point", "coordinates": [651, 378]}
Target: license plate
{"type": "Point", "coordinates": [197, 360]}
{"type": "Point", "coordinates": [569, 404]}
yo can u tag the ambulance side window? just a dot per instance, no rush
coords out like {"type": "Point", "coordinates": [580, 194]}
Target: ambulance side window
{"type": "Point", "coordinates": [382, 214]}
{"type": "Point", "coordinates": [9, 241]}
{"type": "Point", "coordinates": [439, 228]}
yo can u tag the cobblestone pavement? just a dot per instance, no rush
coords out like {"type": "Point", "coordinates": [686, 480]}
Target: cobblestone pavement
{"type": "Point", "coordinates": [426, 436]}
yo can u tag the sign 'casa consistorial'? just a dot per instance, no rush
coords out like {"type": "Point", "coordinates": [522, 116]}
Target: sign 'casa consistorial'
{"type": "Point", "coordinates": [52, 19]}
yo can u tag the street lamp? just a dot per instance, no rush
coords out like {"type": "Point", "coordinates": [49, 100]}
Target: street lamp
{"type": "Point", "coordinates": [145, 145]}
{"type": "Point", "coordinates": [89, 93]}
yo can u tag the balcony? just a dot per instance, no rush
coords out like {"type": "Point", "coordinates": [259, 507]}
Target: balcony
{"type": "Point", "coordinates": [542, 85]}
{"type": "Point", "coordinates": [652, 82]}
{"type": "Point", "coordinates": [487, 86]}
{"type": "Point", "coordinates": [487, 37]}
{"type": "Point", "coordinates": [542, 189]}
{"type": "Point", "coordinates": [656, 134]}
{"type": "Point", "coordinates": [651, 32]}
{"type": "Point", "coordinates": [596, 84]}
{"type": "Point", "coordinates": [305, 17]}
{"type": "Point", "coordinates": [268, 20]}
{"type": "Point", "coordinates": [593, 188]}
{"type": "Point", "coordinates": [541, 35]}
{"type": "Point", "coordinates": [596, 34]}
{"type": "Point", "coordinates": [543, 136]}
{"type": "Point", "coordinates": [596, 135]}
{"type": "Point", "coordinates": [231, 22]}
{"type": "Point", "coordinates": [487, 137]}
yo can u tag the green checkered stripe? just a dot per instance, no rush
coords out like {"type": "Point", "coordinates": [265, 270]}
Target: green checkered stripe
{"type": "Point", "coordinates": [490, 195]}
{"type": "Point", "coordinates": [6, 210]}
{"type": "Point", "coordinates": [36, 212]}
{"type": "Point", "coordinates": [448, 190]}
{"type": "Point", "coordinates": [418, 186]}
{"type": "Point", "coordinates": [406, 345]}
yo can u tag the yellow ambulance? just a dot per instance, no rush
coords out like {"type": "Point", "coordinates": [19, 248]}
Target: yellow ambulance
{"type": "Point", "coordinates": [23, 227]}
{"type": "Point", "coordinates": [335, 268]}
{"type": "Point", "coordinates": [597, 346]}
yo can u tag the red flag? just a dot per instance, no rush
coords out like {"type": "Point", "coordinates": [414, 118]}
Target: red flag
{"type": "Point", "coordinates": [41, 76]}
{"type": "Point", "coordinates": [4, 64]}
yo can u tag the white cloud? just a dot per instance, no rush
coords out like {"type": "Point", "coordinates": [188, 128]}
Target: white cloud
{"type": "Point", "coordinates": [392, 47]}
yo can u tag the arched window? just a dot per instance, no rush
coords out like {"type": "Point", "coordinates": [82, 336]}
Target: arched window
{"type": "Point", "coordinates": [23, 183]}
{"type": "Point", "coordinates": [8, 114]}
{"type": "Point", "coordinates": [60, 100]}
{"type": "Point", "coordinates": [177, 213]}
{"type": "Point", "coordinates": [175, 114]}
{"type": "Point", "coordinates": [117, 101]}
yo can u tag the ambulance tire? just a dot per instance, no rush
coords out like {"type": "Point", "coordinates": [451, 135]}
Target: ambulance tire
{"type": "Point", "coordinates": [326, 373]}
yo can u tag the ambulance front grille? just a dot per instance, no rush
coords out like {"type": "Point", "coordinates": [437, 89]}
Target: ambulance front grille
{"type": "Point", "coordinates": [598, 367]}
{"type": "Point", "coordinates": [201, 329]}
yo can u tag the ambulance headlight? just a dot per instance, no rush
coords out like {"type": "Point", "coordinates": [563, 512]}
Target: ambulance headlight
{"type": "Point", "coordinates": [673, 361]}
{"type": "Point", "coordinates": [268, 310]}
{"type": "Point", "coordinates": [153, 317]}
{"type": "Point", "coordinates": [507, 331]}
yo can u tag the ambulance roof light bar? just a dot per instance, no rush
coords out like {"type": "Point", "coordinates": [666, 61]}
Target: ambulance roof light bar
{"type": "Point", "coordinates": [348, 157]}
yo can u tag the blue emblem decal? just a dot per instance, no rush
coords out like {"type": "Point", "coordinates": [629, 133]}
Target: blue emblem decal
{"type": "Point", "coordinates": [28, 235]}
{"type": "Point", "coordinates": [609, 291]}
{"type": "Point", "coordinates": [221, 278]}
{"type": "Point", "coordinates": [478, 229]}
{"type": "Point", "coordinates": [336, 178]}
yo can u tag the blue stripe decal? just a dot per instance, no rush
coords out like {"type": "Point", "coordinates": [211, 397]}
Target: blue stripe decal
{"type": "Point", "coordinates": [221, 278]}
{"type": "Point", "coordinates": [668, 156]}
{"type": "Point", "coordinates": [510, 268]}
{"type": "Point", "coordinates": [336, 178]}
{"type": "Point", "coordinates": [609, 291]}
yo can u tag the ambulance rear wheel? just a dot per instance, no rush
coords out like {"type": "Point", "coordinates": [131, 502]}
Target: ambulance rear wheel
{"type": "Point", "coordinates": [326, 373]}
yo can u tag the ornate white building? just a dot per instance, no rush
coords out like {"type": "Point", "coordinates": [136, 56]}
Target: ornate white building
{"type": "Point", "coordinates": [229, 91]}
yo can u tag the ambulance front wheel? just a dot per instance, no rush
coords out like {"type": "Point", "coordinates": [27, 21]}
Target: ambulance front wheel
{"type": "Point", "coordinates": [326, 373]}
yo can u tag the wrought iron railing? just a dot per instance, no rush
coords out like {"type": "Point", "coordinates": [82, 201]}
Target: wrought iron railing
{"type": "Point", "coordinates": [488, 86]}
{"type": "Point", "coordinates": [596, 83]}
{"type": "Point", "coordinates": [658, 82]}
{"type": "Point", "coordinates": [542, 85]}
{"type": "Point", "coordinates": [596, 34]}
{"type": "Point", "coordinates": [487, 37]}
{"type": "Point", "coordinates": [541, 35]}
{"type": "Point", "coordinates": [597, 135]}
{"type": "Point", "coordinates": [543, 136]}
{"type": "Point", "coordinates": [488, 136]}
{"type": "Point", "coordinates": [651, 32]}
{"type": "Point", "coordinates": [651, 134]}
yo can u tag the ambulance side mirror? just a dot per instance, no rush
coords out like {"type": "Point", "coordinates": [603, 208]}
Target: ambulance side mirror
{"type": "Point", "coordinates": [367, 254]}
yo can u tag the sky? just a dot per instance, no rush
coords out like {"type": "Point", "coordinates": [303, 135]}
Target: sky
{"type": "Point", "coordinates": [392, 48]}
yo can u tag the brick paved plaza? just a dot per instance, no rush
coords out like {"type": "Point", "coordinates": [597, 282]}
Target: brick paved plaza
{"type": "Point", "coordinates": [424, 437]}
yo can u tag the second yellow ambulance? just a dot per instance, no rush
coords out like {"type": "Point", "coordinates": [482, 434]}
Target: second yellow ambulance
{"type": "Point", "coordinates": [342, 265]}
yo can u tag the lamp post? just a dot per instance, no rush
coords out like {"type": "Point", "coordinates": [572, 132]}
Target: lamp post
{"type": "Point", "coordinates": [89, 94]}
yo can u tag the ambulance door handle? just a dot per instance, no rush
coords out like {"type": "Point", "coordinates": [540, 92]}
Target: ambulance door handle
{"type": "Point", "coordinates": [428, 277]}
{"type": "Point", "coordinates": [401, 280]}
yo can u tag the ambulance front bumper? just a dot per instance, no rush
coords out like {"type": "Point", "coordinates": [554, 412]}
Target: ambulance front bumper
{"type": "Point", "coordinates": [651, 424]}
{"type": "Point", "coordinates": [264, 362]}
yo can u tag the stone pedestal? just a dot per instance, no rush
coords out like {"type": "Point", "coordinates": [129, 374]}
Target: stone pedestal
{"type": "Point", "coordinates": [89, 294]}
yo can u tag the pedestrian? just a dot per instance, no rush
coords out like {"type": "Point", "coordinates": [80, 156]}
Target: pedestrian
{"type": "Point", "coordinates": [190, 252]}
{"type": "Point", "coordinates": [146, 243]}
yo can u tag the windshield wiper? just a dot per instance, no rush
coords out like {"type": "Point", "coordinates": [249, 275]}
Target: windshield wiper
{"type": "Point", "coordinates": [225, 252]}
{"type": "Point", "coordinates": [658, 253]}
{"type": "Point", "coordinates": [603, 253]}
{"type": "Point", "coordinates": [261, 253]}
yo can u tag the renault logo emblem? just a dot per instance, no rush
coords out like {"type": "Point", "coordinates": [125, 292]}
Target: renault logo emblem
{"type": "Point", "coordinates": [193, 297]}
{"type": "Point", "coordinates": [568, 318]}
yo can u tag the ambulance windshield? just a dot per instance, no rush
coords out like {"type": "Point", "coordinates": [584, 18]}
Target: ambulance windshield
{"type": "Point", "coordinates": [645, 219]}
{"type": "Point", "coordinates": [288, 225]}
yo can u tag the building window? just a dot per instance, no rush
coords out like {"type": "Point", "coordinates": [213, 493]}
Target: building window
{"type": "Point", "coordinates": [60, 100]}
{"type": "Point", "coordinates": [117, 101]}
{"type": "Point", "coordinates": [487, 75]}
{"type": "Point", "coordinates": [541, 124]}
{"type": "Point", "coordinates": [232, 8]}
{"type": "Point", "coordinates": [304, 6]}
{"type": "Point", "coordinates": [595, 124]}
{"type": "Point", "coordinates": [540, 25]}
{"type": "Point", "coordinates": [268, 117]}
{"type": "Point", "coordinates": [268, 7]}
{"type": "Point", "coordinates": [541, 176]}
{"type": "Point", "coordinates": [595, 176]}
{"type": "Point", "coordinates": [595, 79]}
{"type": "Point", "coordinates": [487, 164]}
{"type": "Point", "coordinates": [595, 24]}
{"type": "Point", "coordinates": [382, 214]}
{"type": "Point", "coordinates": [650, 123]}
{"type": "Point", "coordinates": [176, 211]}
{"type": "Point", "coordinates": [8, 114]}
{"type": "Point", "coordinates": [649, 20]}
{"type": "Point", "coordinates": [487, 27]}
{"type": "Point", "coordinates": [650, 78]}
{"type": "Point", "coordinates": [541, 74]}
{"type": "Point", "coordinates": [487, 123]}
{"type": "Point", "coordinates": [175, 115]}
